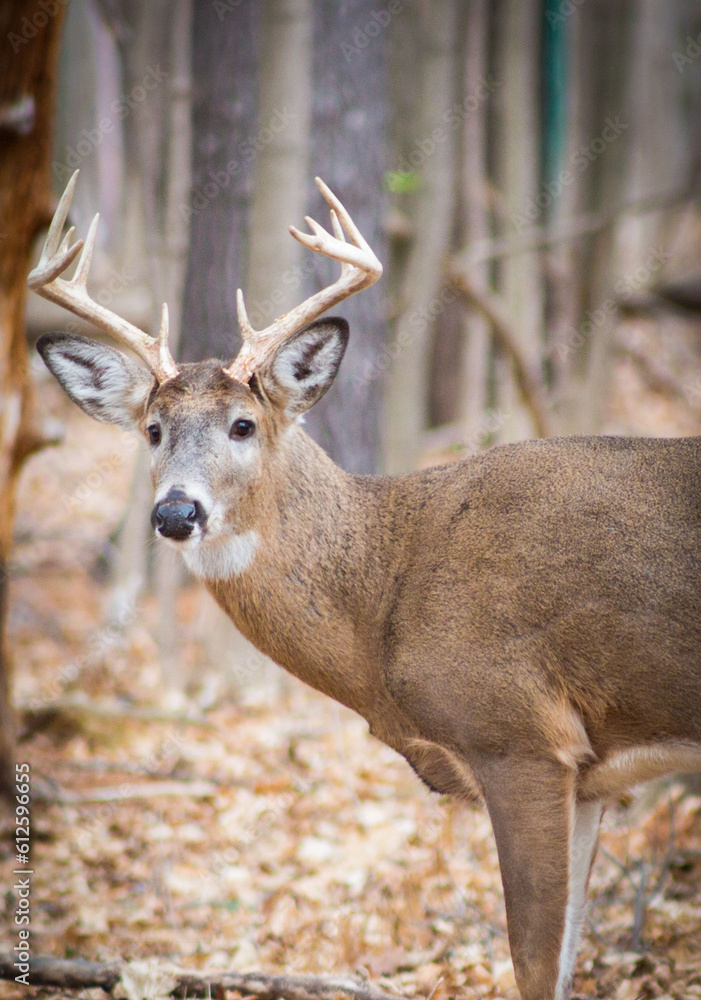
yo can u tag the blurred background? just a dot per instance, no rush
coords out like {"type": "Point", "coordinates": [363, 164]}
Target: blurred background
{"type": "Point", "coordinates": [529, 173]}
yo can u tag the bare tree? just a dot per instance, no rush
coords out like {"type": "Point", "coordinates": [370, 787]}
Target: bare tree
{"type": "Point", "coordinates": [476, 219]}
{"type": "Point", "coordinates": [281, 164]}
{"type": "Point", "coordinates": [349, 151]}
{"type": "Point", "coordinates": [434, 145]}
{"type": "Point", "coordinates": [225, 59]}
{"type": "Point", "coordinates": [29, 48]}
{"type": "Point", "coordinates": [157, 166]}
{"type": "Point", "coordinates": [518, 176]}
{"type": "Point", "coordinates": [608, 31]}
{"type": "Point", "coordinates": [227, 140]}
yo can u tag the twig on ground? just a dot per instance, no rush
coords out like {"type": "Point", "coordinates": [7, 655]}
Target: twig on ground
{"type": "Point", "coordinates": [104, 709]}
{"type": "Point", "coordinates": [76, 974]}
{"type": "Point", "coordinates": [671, 848]}
{"type": "Point", "coordinates": [145, 790]}
{"type": "Point", "coordinates": [639, 911]}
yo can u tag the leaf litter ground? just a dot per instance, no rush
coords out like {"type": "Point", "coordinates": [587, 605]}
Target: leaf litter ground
{"type": "Point", "coordinates": [273, 833]}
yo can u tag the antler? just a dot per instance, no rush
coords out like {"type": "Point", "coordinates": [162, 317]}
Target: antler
{"type": "Point", "coordinates": [73, 294]}
{"type": "Point", "coordinates": [360, 268]}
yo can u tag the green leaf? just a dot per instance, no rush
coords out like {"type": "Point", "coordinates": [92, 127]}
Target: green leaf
{"type": "Point", "coordinates": [402, 181]}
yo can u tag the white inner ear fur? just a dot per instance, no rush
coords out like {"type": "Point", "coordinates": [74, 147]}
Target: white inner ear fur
{"type": "Point", "coordinates": [305, 373]}
{"type": "Point", "coordinates": [105, 384]}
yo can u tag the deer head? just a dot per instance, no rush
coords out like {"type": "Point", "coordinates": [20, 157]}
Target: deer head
{"type": "Point", "coordinates": [213, 428]}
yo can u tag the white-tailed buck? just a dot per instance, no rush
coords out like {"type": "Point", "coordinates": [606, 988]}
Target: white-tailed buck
{"type": "Point", "coordinates": [524, 627]}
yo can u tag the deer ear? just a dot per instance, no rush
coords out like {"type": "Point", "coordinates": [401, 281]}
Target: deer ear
{"type": "Point", "coordinates": [305, 366]}
{"type": "Point", "coordinates": [103, 382]}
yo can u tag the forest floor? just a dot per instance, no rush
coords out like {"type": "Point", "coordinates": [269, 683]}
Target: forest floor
{"type": "Point", "coordinates": [271, 832]}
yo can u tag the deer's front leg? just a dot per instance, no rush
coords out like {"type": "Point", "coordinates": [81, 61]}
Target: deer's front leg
{"type": "Point", "coordinates": [545, 840]}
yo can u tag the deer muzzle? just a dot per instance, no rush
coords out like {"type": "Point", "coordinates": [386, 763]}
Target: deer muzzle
{"type": "Point", "coordinates": [177, 516]}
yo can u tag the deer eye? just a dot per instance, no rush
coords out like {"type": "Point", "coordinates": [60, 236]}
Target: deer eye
{"type": "Point", "coordinates": [154, 434]}
{"type": "Point", "coordinates": [241, 428]}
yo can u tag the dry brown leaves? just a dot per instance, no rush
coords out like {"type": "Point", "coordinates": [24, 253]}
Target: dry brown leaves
{"type": "Point", "coordinates": [318, 851]}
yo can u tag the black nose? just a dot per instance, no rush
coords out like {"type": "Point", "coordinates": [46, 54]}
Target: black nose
{"type": "Point", "coordinates": [176, 516]}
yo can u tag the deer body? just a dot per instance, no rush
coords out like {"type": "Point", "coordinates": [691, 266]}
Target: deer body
{"type": "Point", "coordinates": [511, 578]}
{"type": "Point", "coordinates": [524, 627]}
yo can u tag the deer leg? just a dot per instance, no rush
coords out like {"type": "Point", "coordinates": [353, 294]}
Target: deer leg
{"type": "Point", "coordinates": [545, 841]}
{"type": "Point", "coordinates": [583, 841]}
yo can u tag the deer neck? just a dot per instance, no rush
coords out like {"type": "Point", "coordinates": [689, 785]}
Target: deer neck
{"type": "Point", "coordinates": [313, 594]}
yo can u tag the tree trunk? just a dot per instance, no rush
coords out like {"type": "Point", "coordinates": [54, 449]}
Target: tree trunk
{"type": "Point", "coordinates": [517, 65]}
{"type": "Point", "coordinates": [173, 251]}
{"type": "Point", "coordinates": [473, 176]}
{"type": "Point", "coordinates": [565, 262]}
{"type": "Point", "coordinates": [433, 155]}
{"type": "Point", "coordinates": [226, 46]}
{"type": "Point", "coordinates": [607, 30]}
{"type": "Point", "coordinates": [349, 150]}
{"type": "Point", "coordinates": [281, 163]}
{"type": "Point", "coordinates": [29, 46]}
{"type": "Point", "coordinates": [155, 62]}
{"type": "Point", "coordinates": [226, 141]}
{"type": "Point", "coordinates": [659, 156]}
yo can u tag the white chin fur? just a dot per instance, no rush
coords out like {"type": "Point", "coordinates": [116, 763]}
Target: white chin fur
{"type": "Point", "coordinates": [183, 545]}
{"type": "Point", "coordinates": [222, 557]}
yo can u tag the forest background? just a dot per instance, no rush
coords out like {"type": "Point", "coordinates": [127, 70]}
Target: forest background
{"type": "Point", "coordinates": [528, 171]}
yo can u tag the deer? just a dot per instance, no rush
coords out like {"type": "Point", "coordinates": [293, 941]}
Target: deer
{"type": "Point", "coordinates": [522, 626]}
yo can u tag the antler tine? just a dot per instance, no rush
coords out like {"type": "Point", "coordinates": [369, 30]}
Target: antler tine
{"type": "Point", "coordinates": [348, 253]}
{"type": "Point", "coordinates": [80, 278]}
{"type": "Point", "coordinates": [337, 227]}
{"type": "Point", "coordinates": [45, 274]}
{"type": "Point", "coordinates": [73, 295]}
{"type": "Point", "coordinates": [340, 235]}
{"type": "Point", "coordinates": [53, 237]}
{"type": "Point", "coordinates": [360, 268]}
{"type": "Point", "coordinates": [336, 206]}
{"type": "Point", "coordinates": [164, 356]}
{"type": "Point", "coordinates": [247, 331]}
{"type": "Point", "coordinates": [66, 241]}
